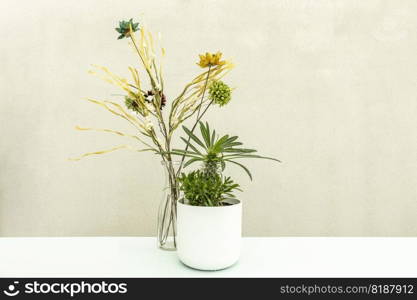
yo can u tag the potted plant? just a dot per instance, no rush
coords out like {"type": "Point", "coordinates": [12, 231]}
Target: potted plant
{"type": "Point", "coordinates": [155, 117]}
{"type": "Point", "coordinates": [209, 216]}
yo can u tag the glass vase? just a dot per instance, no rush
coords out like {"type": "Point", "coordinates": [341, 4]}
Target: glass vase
{"type": "Point", "coordinates": [167, 212]}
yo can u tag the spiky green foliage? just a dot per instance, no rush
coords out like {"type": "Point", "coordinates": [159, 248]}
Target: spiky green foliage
{"type": "Point", "coordinates": [124, 28]}
{"type": "Point", "coordinates": [215, 152]}
{"type": "Point", "coordinates": [203, 189]}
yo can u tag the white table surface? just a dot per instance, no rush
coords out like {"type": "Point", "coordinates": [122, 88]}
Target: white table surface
{"type": "Point", "coordinates": [261, 257]}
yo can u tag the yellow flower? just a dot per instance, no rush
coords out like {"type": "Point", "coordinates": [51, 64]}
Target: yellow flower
{"type": "Point", "coordinates": [211, 59]}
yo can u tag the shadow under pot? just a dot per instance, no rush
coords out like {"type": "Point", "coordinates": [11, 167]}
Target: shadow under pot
{"type": "Point", "coordinates": [209, 237]}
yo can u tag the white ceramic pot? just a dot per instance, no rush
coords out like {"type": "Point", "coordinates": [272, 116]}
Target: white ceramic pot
{"type": "Point", "coordinates": [209, 238]}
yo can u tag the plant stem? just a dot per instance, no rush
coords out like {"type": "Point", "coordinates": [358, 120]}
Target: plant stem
{"type": "Point", "coordinates": [199, 116]}
{"type": "Point", "coordinates": [202, 96]}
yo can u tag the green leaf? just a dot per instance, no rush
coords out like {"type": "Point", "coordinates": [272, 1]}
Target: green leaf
{"type": "Point", "coordinates": [192, 136]}
{"type": "Point", "coordinates": [239, 150]}
{"type": "Point", "coordinates": [193, 160]}
{"type": "Point", "coordinates": [186, 154]}
{"type": "Point", "coordinates": [242, 166]}
{"type": "Point", "coordinates": [218, 146]}
{"type": "Point", "coordinates": [213, 137]}
{"type": "Point", "coordinates": [230, 140]}
{"type": "Point", "coordinates": [191, 146]}
{"type": "Point", "coordinates": [250, 156]}
{"type": "Point", "coordinates": [234, 144]}
{"type": "Point", "coordinates": [205, 132]}
{"type": "Point", "coordinates": [181, 152]}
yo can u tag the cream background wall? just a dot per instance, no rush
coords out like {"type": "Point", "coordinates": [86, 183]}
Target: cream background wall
{"type": "Point", "coordinates": [329, 87]}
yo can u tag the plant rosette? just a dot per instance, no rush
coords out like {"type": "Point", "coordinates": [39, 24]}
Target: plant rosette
{"type": "Point", "coordinates": [209, 237]}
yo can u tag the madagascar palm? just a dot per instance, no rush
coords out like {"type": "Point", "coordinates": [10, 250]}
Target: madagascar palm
{"type": "Point", "coordinates": [214, 151]}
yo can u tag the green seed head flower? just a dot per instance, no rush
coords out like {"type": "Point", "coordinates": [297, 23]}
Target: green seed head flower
{"type": "Point", "coordinates": [124, 28]}
{"type": "Point", "coordinates": [220, 93]}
